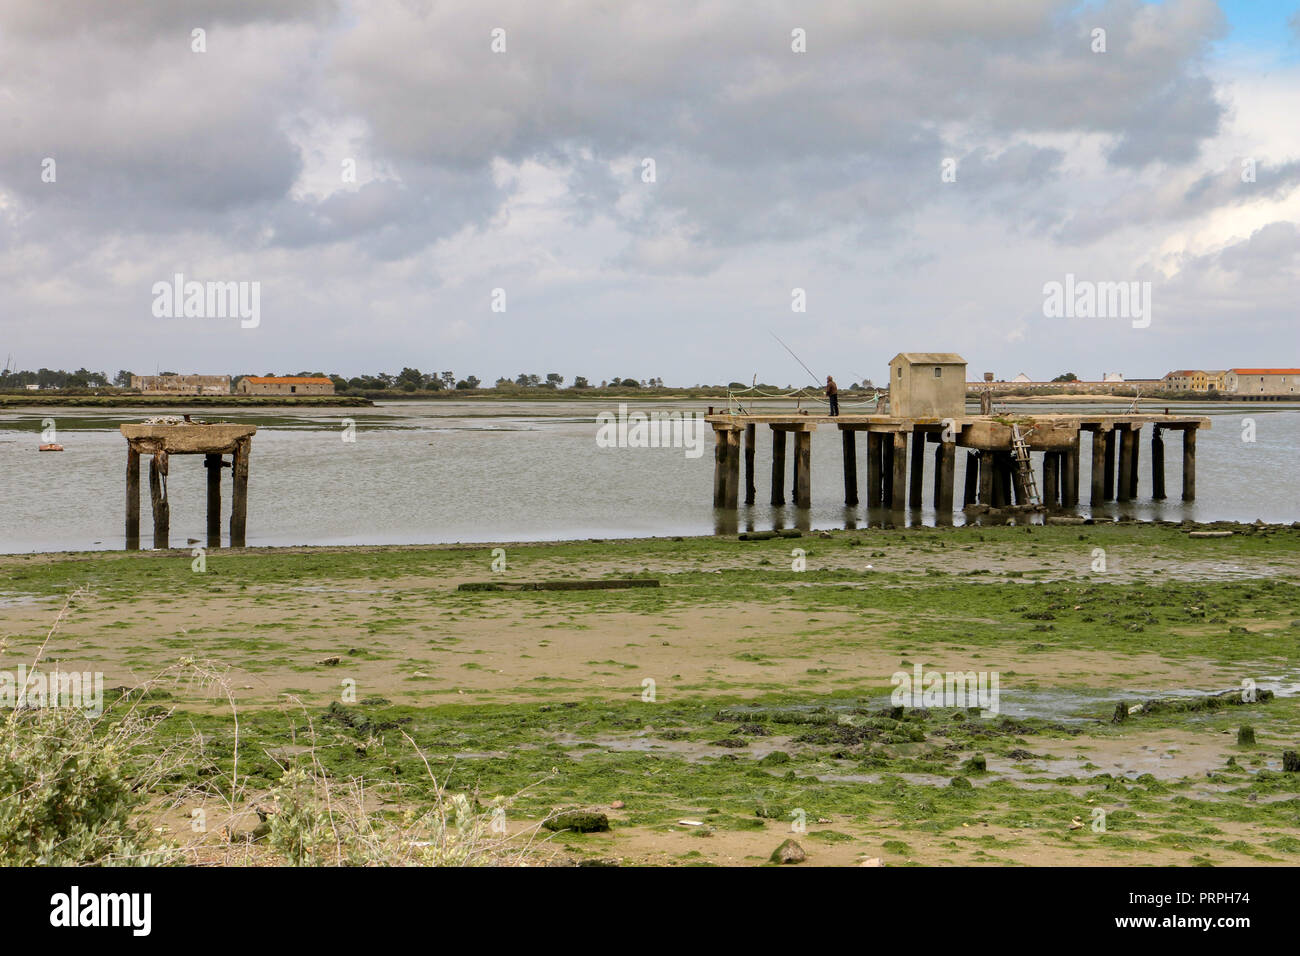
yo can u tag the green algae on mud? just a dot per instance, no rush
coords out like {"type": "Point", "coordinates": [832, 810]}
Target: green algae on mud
{"type": "Point", "coordinates": [735, 750]}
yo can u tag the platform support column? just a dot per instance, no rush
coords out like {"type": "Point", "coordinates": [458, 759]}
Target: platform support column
{"type": "Point", "coordinates": [778, 466]}
{"type": "Point", "coordinates": [132, 498]}
{"type": "Point", "coordinates": [849, 441]}
{"type": "Point", "coordinates": [803, 468]}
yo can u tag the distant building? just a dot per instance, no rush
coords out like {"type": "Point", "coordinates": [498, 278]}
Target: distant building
{"type": "Point", "coordinates": [927, 385]}
{"type": "Point", "coordinates": [1262, 381]}
{"type": "Point", "coordinates": [1112, 376]}
{"type": "Point", "coordinates": [181, 384]}
{"type": "Point", "coordinates": [1022, 377]}
{"type": "Point", "coordinates": [1183, 380]}
{"type": "Point", "coordinates": [284, 385]}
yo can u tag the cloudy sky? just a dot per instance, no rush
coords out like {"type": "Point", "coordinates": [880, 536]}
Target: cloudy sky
{"type": "Point", "coordinates": [524, 170]}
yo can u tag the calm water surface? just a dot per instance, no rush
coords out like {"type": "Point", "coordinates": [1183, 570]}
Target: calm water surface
{"type": "Point", "coordinates": [504, 471]}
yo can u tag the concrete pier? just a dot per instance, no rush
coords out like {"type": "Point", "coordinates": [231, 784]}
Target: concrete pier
{"type": "Point", "coordinates": [212, 441]}
{"type": "Point", "coordinates": [994, 477]}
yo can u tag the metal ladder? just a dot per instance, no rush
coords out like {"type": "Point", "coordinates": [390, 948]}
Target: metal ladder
{"type": "Point", "coordinates": [1024, 464]}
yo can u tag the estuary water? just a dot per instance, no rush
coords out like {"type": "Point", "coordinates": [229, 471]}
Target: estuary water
{"type": "Point", "coordinates": [489, 470]}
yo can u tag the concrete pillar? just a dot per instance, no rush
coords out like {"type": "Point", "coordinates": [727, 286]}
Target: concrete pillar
{"type": "Point", "coordinates": [1051, 478]}
{"type": "Point", "coordinates": [803, 468]}
{"type": "Point", "coordinates": [750, 441]}
{"type": "Point", "coordinates": [239, 500]}
{"type": "Point", "coordinates": [132, 498]}
{"type": "Point", "coordinates": [945, 466]}
{"type": "Point", "coordinates": [1110, 465]}
{"type": "Point", "coordinates": [778, 466]}
{"type": "Point", "coordinates": [898, 484]}
{"type": "Point", "coordinates": [1098, 467]}
{"type": "Point", "coordinates": [213, 464]}
{"type": "Point", "coordinates": [1189, 463]}
{"type": "Point", "coordinates": [849, 441]}
{"type": "Point", "coordinates": [1157, 464]}
{"type": "Point", "coordinates": [719, 468]}
{"type": "Point", "coordinates": [986, 477]}
{"type": "Point", "coordinates": [1070, 476]}
{"type": "Point", "coordinates": [916, 486]}
{"type": "Point", "coordinates": [971, 485]}
{"type": "Point", "coordinates": [1134, 471]}
{"type": "Point", "coordinates": [158, 499]}
{"type": "Point", "coordinates": [875, 469]}
{"type": "Point", "coordinates": [1124, 480]}
{"type": "Point", "coordinates": [733, 467]}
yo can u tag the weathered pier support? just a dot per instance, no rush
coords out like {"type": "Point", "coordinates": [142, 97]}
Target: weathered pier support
{"type": "Point", "coordinates": [849, 441]}
{"type": "Point", "coordinates": [1110, 465]}
{"type": "Point", "coordinates": [971, 484]}
{"type": "Point", "coordinates": [1098, 476]}
{"type": "Point", "coordinates": [916, 486]}
{"type": "Point", "coordinates": [1157, 464]}
{"type": "Point", "coordinates": [213, 464]}
{"type": "Point", "coordinates": [945, 467]}
{"type": "Point", "coordinates": [875, 469]}
{"type": "Point", "coordinates": [160, 441]}
{"type": "Point", "coordinates": [162, 511]}
{"type": "Point", "coordinates": [778, 465]}
{"type": "Point", "coordinates": [1051, 478]}
{"type": "Point", "coordinates": [750, 441]}
{"type": "Point", "coordinates": [132, 498]}
{"type": "Point", "coordinates": [898, 476]}
{"type": "Point", "coordinates": [1124, 480]}
{"type": "Point", "coordinates": [803, 468]}
{"type": "Point", "coordinates": [1070, 475]}
{"type": "Point", "coordinates": [993, 474]}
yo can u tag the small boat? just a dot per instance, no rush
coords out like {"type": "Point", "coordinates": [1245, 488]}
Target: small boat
{"type": "Point", "coordinates": [51, 447]}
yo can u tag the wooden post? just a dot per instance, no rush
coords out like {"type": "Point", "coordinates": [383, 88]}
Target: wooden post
{"type": "Point", "coordinates": [1189, 463]}
{"type": "Point", "coordinates": [986, 478]}
{"type": "Point", "coordinates": [999, 499]}
{"type": "Point", "coordinates": [1124, 480]}
{"type": "Point", "coordinates": [898, 484]}
{"type": "Point", "coordinates": [733, 467]}
{"type": "Point", "coordinates": [803, 468]}
{"type": "Point", "coordinates": [1098, 467]}
{"type": "Point", "coordinates": [132, 498]}
{"type": "Point", "coordinates": [778, 466]}
{"type": "Point", "coordinates": [213, 465]}
{"type": "Point", "coordinates": [971, 487]}
{"type": "Point", "coordinates": [875, 469]}
{"type": "Point", "coordinates": [916, 487]}
{"type": "Point", "coordinates": [848, 438]}
{"type": "Point", "coordinates": [719, 470]}
{"type": "Point", "coordinates": [239, 501]}
{"type": "Point", "coordinates": [886, 471]}
{"type": "Point", "coordinates": [1051, 478]}
{"type": "Point", "coordinates": [750, 439]}
{"type": "Point", "coordinates": [158, 499]}
{"type": "Point", "coordinates": [945, 466]}
{"type": "Point", "coordinates": [1157, 464]}
{"type": "Point", "coordinates": [1109, 489]}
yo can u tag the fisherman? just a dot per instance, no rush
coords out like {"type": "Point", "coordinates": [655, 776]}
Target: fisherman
{"type": "Point", "coordinates": [833, 394]}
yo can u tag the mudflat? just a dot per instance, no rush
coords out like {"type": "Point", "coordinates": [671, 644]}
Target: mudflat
{"type": "Point", "coordinates": [743, 695]}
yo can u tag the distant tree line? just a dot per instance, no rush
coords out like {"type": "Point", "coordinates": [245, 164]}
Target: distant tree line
{"type": "Point", "coordinates": [407, 380]}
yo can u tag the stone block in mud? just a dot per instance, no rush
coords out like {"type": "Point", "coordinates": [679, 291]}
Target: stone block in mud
{"type": "Point", "coordinates": [581, 821]}
{"type": "Point", "coordinates": [788, 852]}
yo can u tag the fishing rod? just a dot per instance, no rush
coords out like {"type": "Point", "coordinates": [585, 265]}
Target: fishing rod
{"type": "Point", "coordinates": [796, 358]}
